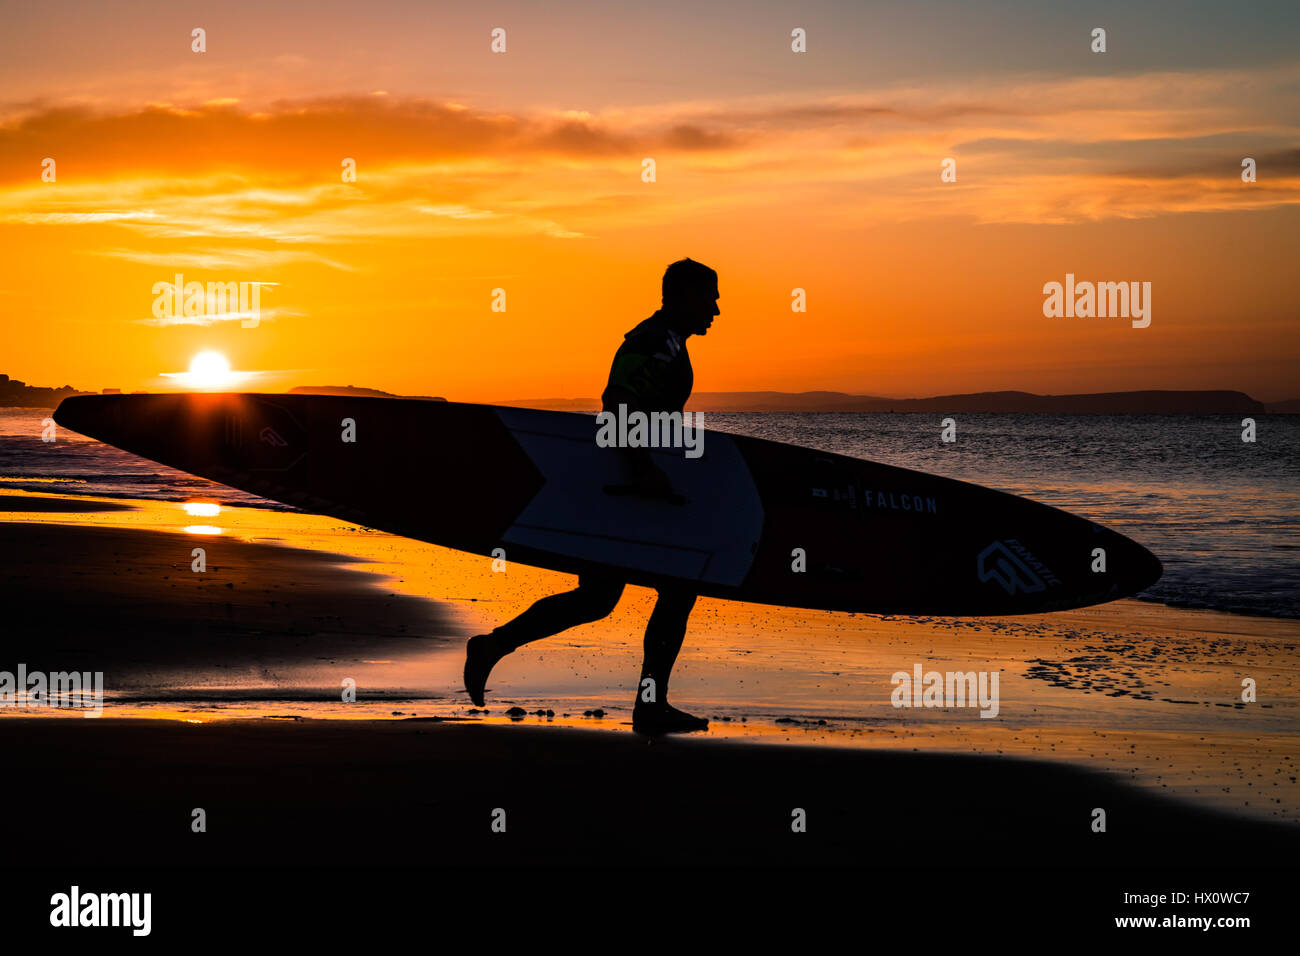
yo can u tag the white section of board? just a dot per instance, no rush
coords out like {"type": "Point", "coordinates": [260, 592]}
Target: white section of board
{"type": "Point", "coordinates": [713, 538]}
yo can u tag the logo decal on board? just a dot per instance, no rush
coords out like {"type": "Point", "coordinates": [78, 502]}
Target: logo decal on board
{"type": "Point", "coordinates": [272, 437]}
{"type": "Point", "coordinates": [998, 563]}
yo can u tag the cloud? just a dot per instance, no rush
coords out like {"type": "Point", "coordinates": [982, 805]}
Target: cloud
{"type": "Point", "coordinates": [1036, 149]}
{"type": "Point", "coordinates": [214, 259]}
{"type": "Point", "coordinates": [218, 318]}
{"type": "Point", "coordinates": [291, 138]}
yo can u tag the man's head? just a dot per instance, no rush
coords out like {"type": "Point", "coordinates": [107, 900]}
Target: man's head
{"type": "Point", "coordinates": [690, 296]}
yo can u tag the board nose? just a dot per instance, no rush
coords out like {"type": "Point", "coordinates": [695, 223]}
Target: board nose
{"type": "Point", "coordinates": [1141, 568]}
{"type": "Point", "coordinates": [1150, 569]}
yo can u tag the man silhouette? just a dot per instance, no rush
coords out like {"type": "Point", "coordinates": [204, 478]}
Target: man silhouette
{"type": "Point", "coordinates": [651, 372]}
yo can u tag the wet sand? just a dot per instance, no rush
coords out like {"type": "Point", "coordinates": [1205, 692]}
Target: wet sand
{"type": "Point", "coordinates": [1130, 706]}
{"type": "Point", "coordinates": [125, 601]}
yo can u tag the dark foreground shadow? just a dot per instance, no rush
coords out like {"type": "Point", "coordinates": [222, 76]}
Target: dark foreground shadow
{"type": "Point", "coordinates": [422, 792]}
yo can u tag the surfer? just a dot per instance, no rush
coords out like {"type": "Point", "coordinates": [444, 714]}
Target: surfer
{"type": "Point", "coordinates": [651, 372]}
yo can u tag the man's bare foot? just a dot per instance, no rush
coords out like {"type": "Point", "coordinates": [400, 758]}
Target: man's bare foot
{"type": "Point", "coordinates": [664, 719]}
{"type": "Point", "coordinates": [481, 654]}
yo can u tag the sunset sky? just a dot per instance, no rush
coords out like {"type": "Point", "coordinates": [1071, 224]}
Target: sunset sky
{"type": "Point", "coordinates": [523, 170]}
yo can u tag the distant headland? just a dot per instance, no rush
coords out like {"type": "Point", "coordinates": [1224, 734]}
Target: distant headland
{"type": "Point", "coordinates": [14, 392]}
{"type": "Point", "coordinates": [1100, 403]}
{"type": "Point", "coordinates": [355, 390]}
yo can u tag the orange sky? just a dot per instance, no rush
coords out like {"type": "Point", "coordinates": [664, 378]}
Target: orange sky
{"type": "Point", "coordinates": [523, 171]}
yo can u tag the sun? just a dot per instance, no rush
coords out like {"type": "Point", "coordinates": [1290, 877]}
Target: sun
{"type": "Point", "coordinates": [209, 369]}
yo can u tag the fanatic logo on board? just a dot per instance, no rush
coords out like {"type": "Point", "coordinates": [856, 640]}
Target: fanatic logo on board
{"type": "Point", "coordinates": [1018, 571]}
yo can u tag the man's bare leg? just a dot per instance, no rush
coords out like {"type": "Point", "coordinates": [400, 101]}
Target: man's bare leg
{"type": "Point", "coordinates": [664, 635]}
{"type": "Point", "coordinates": [593, 599]}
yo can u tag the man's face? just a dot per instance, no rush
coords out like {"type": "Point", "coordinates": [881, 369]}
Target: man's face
{"type": "Point", "coordinates": [701, 309]}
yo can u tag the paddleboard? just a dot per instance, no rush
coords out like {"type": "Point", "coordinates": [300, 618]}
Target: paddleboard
{"type": "Point", "coordinates": [762, 521]}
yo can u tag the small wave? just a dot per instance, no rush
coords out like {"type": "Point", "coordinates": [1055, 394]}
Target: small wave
{"type": "Point", "coordinates": [100, 476]}
{"type": "Point", "coordinates": [43, 480]}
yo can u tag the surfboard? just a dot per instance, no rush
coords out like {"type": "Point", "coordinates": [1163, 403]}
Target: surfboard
{"type": "Point", "coordinates": [762, 521]}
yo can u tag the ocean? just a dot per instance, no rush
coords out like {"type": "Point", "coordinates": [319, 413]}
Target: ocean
{"type": "Point", "coordinates": [1223, 515]}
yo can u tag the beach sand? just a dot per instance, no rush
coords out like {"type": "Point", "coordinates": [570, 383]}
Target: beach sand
{"type": "Point", "coordinates": [1131, 707]}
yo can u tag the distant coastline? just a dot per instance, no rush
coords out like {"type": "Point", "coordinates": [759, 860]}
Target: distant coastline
{"type": "Point", "coordinates": [356, 390]}
{"type": "Point", "coordinates": [1101, 403]}
{"type": "Point", "coordinates": [15, 393]}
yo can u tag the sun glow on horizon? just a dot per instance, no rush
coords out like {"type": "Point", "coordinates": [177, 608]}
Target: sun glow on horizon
{"type": "Point", "coordinates": [208, 369]}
